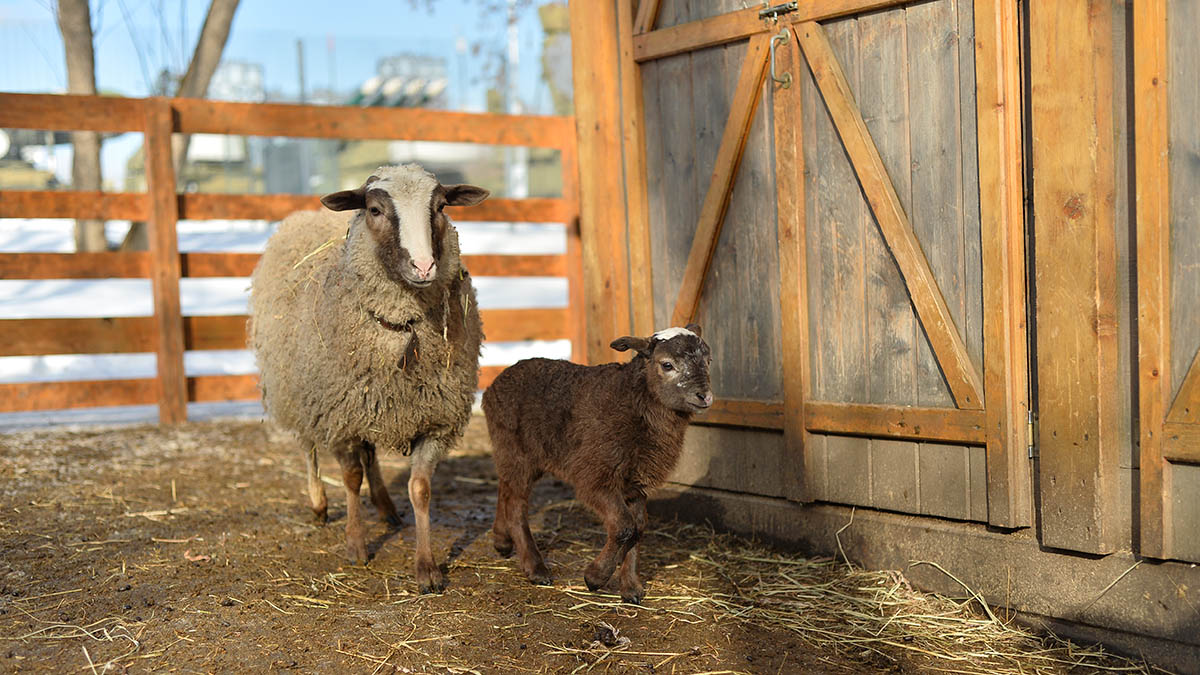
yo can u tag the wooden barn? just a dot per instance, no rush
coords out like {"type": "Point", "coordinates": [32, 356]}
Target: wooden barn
{"type": "Point", "coordinates": [947, 255]}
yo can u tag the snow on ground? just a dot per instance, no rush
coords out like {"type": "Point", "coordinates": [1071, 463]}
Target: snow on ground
{"type": "Point", "coordinates": [62, 298]}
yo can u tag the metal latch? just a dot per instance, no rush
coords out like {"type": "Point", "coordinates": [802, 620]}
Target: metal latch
{"type": "Point", "coordinates": [772, 13]}
{"type": "Point", "coordinates": [1031, 431]}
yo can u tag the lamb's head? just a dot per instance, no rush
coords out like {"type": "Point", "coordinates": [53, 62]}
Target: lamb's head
{"type": "Point", "coordinates": [675, 363]}
{"type": "Point", "coordinates": [401, 206]}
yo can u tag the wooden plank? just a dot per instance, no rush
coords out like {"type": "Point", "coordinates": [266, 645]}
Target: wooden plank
{"type": "Point", "coordinates": [34, 337]}
{"type": "Point", "coordinates": [738, 25]}
{"type": "Point", "coordinates": [601, 206]}
{"type": "Point", "coordinates": [31, 396]}
{"type": "Point", "coordinates": [1181, 443]}
{"type": "Point", "coordinates": [72, 204]}
{"type": "Point", "coordinates": [647, 14]}
{"type": "Point", "coordinates": [518, 265]}
{"type": "Point", "coordinates": [165, 266]}
{"type": "Point", "coordinates": [793, 280]}
{"type": "Point", "coordinates": [919, 424]}
{"type": "Point", "coordinates": [74, 265]}
{"type": "Point", "coordinates": [1002, 223]}
{"type": "Point", "coordinates": [1153, 260]}
{"type": "Point", "coordinates": [1183, 140]}
{"type": "Point", "coordinates": [743, 413]}
{"type": "Point", "coordinates": [716, 200]}
{"type": "Point", "coordinates": [509, 325]}
{"type": "Point", "coordinates": [947, 341]}
{"type": "Point", "coordinates": [633, 141]}
{"type": "Point", "coordinates": [197, 265]}
{"type": "Point", "coordinates": [487, 374]}
{"type": "Point", "coordinates": [56, 112]}
{"type": "Point", "coordinates": [573, 258]}
{"type": "Point", "coordinates": [1075, 266]}
{"type": "Point", "coordinates": [1186, 408]}
{"type": "Point", "coordinates": [213, 388]}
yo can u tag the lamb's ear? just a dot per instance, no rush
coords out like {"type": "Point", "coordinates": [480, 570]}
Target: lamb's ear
{"type": "Point", "coordinates": [465, 195]}
{"type": "Point", "coordinates": [346, 200]}
{"type": "Point", "coordinates": [638, 344]}
{"type": "Point", "coordinates": [694, 327]}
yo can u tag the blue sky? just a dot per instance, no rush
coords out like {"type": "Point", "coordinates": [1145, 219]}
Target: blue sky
{"type": "Point", "coordinates": [265, 31]}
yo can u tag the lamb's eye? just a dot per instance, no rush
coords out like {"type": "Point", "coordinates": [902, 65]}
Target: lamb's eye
{"type": "Point", "coordinates": [375, 211]}
{"type": "Point", "coordinates": [667, 366]}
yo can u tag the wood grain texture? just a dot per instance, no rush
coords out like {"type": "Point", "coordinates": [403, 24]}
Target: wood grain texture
{"type": "Point", "coordinates": [72, 204]}
{"type": "Point", "coordinates": [1181, 443]}
{"type": "Point", "coordinates": [743, 413]}
{"type": "Point", "coordinates": [1006, 358]}
{"type": "Point", "coordinates": [716, 200]}
{"type": "Point", "coordinates": [1075, 267]}
{"type": "Point", "coordinates": [573, 258]}
{"type": "Point", "coordinates": [165, 267]}
{"type": "Point", "coordinates": [925, 424]}
{"type": "Point", "coordinates": [1186, 407]}
{"type": "Point", "coordinates": [948, 344]}
{"type": "Point", "coordinates": [1183, 139]}
{"type": "Point", "coordinates": [647, 14]}
{"type": "Point", "coordinates": [602, 205]}
{"type": "Point", "coordinates": [56, 112]}
{"type": "Point", "coordinates": [633, 142]}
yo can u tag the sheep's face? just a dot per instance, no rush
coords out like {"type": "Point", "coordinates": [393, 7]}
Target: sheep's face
{"type": "Point", "coordinates": [676, 367]}
{"type": "Point", "coordinates": [402, 209]}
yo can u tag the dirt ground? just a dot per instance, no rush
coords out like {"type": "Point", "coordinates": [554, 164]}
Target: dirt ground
{"type": "Point", "coordinates": [192, 550]}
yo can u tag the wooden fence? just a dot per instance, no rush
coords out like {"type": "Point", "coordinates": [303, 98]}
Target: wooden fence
{"type": "Point", "coordinates": [168, 332]}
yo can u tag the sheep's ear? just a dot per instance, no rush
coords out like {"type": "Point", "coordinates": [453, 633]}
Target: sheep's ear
{"type": "Point", "coordinates": [465, 195]}
{"type": "Point", "coordinates": [638, 344]}
{"type": "Point", "coordinates": [694, 327]}
{"type": "Point", "coordinates": [346, 200]}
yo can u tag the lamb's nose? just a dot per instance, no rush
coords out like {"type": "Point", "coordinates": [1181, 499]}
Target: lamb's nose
{"type": "Point", "coordinates": [425, 268]}
{"type": "Point", "coordinates": [705, 398]}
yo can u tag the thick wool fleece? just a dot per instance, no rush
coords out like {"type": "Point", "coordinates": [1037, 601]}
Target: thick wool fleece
{"type": "Point", "coordinates": [330, 370]}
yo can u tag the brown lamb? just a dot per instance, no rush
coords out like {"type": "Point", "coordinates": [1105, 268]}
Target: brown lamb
{"type": "Point", "coordinates": [613, 431]}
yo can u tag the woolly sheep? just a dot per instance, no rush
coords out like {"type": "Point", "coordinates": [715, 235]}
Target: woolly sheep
{"type": "Point", "coordinates": [613, 431]}
{"type": "Point", "coordinates": [366, 333]}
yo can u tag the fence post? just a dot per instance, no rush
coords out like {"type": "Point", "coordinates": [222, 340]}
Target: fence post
{"type": "Point", "coordinates": [576, 311]}
{"type": "Point", "coordinates": [164, 261]}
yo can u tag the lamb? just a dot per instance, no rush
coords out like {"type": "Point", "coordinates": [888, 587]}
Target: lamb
{"type": "Point", "coordinates": [613, 431]}
{"type": "Point", "coordinates": [366, 333]}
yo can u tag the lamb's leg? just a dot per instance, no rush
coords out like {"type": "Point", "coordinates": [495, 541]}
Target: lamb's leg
{"type": "Point", "coordinates": [632, 590]}
{"type": "Point", "coordinates": [352, 475]}
{"type": "Point", "coordinates": [516, 508]}
{"type": "Point", "coordinates": [623, 534]}
{"type": "Point", "coordinates": [425, 457]}
{"type": "Point", "coordinates": [316, 489]}
{"type": "Point", "coordinates": [501, 539]}
{"type": "Point", "coordinates": [379, 494]}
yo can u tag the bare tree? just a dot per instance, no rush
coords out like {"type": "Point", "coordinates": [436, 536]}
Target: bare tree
{"type": "Point", "coordinates": [75, 23]}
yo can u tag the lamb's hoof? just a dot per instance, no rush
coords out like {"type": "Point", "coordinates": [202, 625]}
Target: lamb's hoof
{"type": "Point", "coordinates": [594, 581]}
{"type": "Point", "coordinates": [393, 520]}
{"type": "Point", "coordinates": [540, 576]}
{"type": "Point", "coordinates": [633, 596]}
{"type": "Point", "coordinates": [320, 517]}
{"type": "Point", "coordinates": [430, 578]}
{"type": "Point", "coordinates": [356, 552]}
{"type": "Point", "coordinates": [503, 544]}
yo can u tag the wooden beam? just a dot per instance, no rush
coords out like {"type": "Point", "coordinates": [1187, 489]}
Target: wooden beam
{"type": "Point", "coordinates": [633, 141]}
{"type": "Point", "coordinates": [32, 396]}
{"type": "Point", "coordinates": [946, 425]}
{"type": "Point", "coordinates": [573, 258]}
{"type": "Point", "coordinates": [1186, 407]}
{"type": "Point", "coordinates": [1181, 443]}
{"type": "Point", "coordinates": [793, 276]}
{"type": "Point", "coordinates": [740, 24]}
{"type": "Point", "coordinates": [213, 388]}
{"type": "Point", "coordinates": [35, 337]}
{"type": "Point", "coordinates": [72, 204]}
{"type": "Point", "coordinates": [1002, 225]}
{"type": "Point", "coordinates": [74, 265]}
{"type": "Point", "coordinates": [720, 186]}
{"type": "Point", "coordinates": [727, 412]}
{"type": "Point", "coordinates": [165, 266]}
{"type": "Point", "coordinates": [944, 337]}
{"type": "Point", "coordinates": [1153, 186]}
{"type": "Point", "coordinates": [57, 112]}
{"type": "Point", "coordinates": [1079, 441]}
{"type": "Point", "coordinates": [516, 265]}
{"type": "Point", "coordinates": [602, 204]}
{"type": "Point", "coordinates": [647, 14]}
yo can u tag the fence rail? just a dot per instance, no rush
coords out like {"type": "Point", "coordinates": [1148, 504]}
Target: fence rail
{"type": "Point", "coordinates": [168, 333]}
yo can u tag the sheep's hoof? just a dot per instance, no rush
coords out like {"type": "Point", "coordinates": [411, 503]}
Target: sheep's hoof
{"type": "Point", "coordinates": [430, 578]}
{"type": "Point", "coordinates": [633, 596]}
{"type": "Point", "coordinates": [593, 580]}
{"type": "Point", "coordinates": [320, 516]}
{"type": "Point", "coordinates": [356, 552]}
{"type": "Point", "coordinates": [503, 544]}
{"type": "Point", "coordinates": [540, 576]}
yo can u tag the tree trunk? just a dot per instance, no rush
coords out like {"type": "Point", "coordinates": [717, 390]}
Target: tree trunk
{"type": "Point", "coordinates": [75, 23]}
{"type": "Point", "coordinates": [205, 59]}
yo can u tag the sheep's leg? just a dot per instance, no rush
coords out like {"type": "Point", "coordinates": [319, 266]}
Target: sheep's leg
{"type": "Point", "coordinates": [379, 493]}
{"type": "Point", "coordinates": [352, 474]}
{"type": "Point", "coordinates": [632, 590]}
{"type": "Point", "coordinates": [515, 493]}
{"type": "Point", "coordinates": [316, 489]}
{"type": "Point", "coordinates": [623, 533]}
{"type": "Point", "coordinates": [425, 457]}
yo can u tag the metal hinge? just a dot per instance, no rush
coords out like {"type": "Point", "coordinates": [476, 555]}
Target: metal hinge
{"type": "Point", "coordinates": [776, 11]}
{"type": "Point", "coordinates": [1031, 433]}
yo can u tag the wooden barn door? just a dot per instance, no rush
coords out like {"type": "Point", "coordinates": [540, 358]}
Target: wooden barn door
{"type": "Point", "coordinates": [897, 212]}
{"type": "Point", "coordinates": [1167, 94]}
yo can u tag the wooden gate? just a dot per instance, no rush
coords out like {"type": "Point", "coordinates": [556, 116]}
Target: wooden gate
{"type": "Point", "coordinates": [1167, 95]}
{"type": "Point", "coordinates": [893, 159]}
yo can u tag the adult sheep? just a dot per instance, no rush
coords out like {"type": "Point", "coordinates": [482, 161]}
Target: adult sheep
{"type": "Point", "coordinates": [366, 332]}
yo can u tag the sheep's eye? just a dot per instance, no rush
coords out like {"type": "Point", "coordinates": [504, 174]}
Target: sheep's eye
{"type": "Point", "coordinates": [667, 366]}
{"type": "Point", "coordinates": [375, 211]}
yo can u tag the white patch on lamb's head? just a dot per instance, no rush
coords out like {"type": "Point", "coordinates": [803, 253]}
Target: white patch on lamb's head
{"type": "Point", "coordinates": [668, 333]}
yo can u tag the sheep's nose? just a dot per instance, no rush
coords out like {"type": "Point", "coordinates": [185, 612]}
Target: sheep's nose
{"type": "Point", "coordinates": [705, 398]}
{"type": "Point", "coordinates": [425, 268]}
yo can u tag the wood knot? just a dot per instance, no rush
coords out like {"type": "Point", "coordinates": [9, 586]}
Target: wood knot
{"type": "Point", "coordinates": [1075, 208]}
